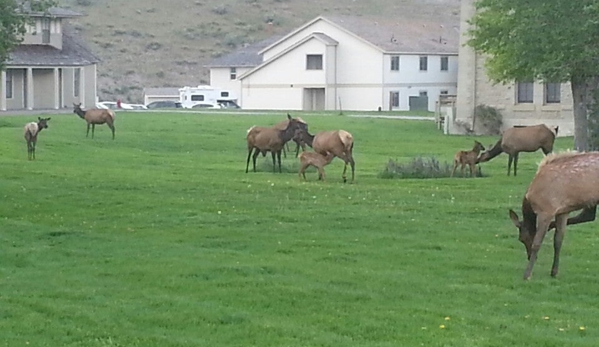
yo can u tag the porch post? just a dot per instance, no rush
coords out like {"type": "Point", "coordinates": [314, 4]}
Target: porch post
{"type": "Point", "coordinates": [3, 90]}
{"type": "Point", "coordinates": [56, 89]}
{"type": "Point", "coordinates": [82, 87]}
{"type": "Point", "coordinates": [30, 104]}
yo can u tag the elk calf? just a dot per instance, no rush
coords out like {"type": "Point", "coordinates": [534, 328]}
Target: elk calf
{"type": "Point", "coordinates": [317, 160]}
{"type": "Point", "coordinates": [31, 131]}
{"type": "Point", "coordinates": [469, 158]}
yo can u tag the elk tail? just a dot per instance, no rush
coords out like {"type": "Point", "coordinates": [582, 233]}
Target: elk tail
{"type": "Point", "coordinates": [492, 153]}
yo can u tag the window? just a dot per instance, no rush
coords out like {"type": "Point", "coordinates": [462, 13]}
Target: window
{"type": "Point", "coordinates": [76, 82]}
{"type": "Point", "coordinates": [224, 94]}
{"type": "Point", "coordinates": [314, 62]}
{"type": "Point", "coordinates": [394, 99]}
{"type": "Point", "coordinates": [444, 92]}
{"type": "Point", "coordinates": [197, 97]}
{"type": "Point", "coordinates": [423, 93]}
{"type": "Point", "coordinates": [45, 30]}
{"type": "Point", "coordinates": [9, 85]}
{"type": "Point", "coordinates": [525, 92]}
{"type": "Point", "coordinates": [233, 73]}
{"type": "Point", "coordinates": [552, 93]}
{"type": "Point", "coordinates": [423, 63]}
{"type": "Point", "coordinates": [395, 63]}
{"type": "Point", "coordinates": [444, 63]}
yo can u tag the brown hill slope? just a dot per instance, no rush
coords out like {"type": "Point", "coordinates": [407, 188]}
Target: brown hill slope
{"type": "Point", "coordinates": [158, 43]}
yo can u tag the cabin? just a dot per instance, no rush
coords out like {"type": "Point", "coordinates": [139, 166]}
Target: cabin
{"type": "Point", "coordinates": [51, 69]}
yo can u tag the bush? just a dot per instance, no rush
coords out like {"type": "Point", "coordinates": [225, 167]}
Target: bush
{"type": "Point", "coordinates": [420, 167]}
{"type": "Point", "coordinates": [489, 119]}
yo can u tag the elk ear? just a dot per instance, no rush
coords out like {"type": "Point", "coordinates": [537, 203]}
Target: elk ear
{"type": "Point", "coordinates": [288, 116]}
{"type": "Point", "coordinates": [48, 118]}
{"type": "Point", "coordinates": [39, 118]}
{"type": "Point", "coordinates": [514, 218]}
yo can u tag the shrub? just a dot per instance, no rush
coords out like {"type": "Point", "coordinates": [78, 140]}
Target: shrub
{"type": "Point", "coordinates": [420, 167]}
{"type": "Point", "coordinates": [489, 119]}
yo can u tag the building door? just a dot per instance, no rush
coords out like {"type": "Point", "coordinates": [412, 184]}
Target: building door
{"type": "Point", "coordinates": [314, 99]}
{"type": "Point", "coordinates": [393, 101]}
{"type": "Point", "coordinates": [419, 103]}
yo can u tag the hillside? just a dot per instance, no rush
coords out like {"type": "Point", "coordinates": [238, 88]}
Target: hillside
{"type": "Point", "coordinates": [157, 43]}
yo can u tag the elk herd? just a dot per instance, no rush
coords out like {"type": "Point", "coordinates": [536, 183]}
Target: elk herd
{"type": "Point", "coordinates": [563, 183]}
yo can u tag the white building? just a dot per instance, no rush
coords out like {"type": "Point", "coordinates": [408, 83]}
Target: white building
{"type": "Point", "coordinates": [347, 63]}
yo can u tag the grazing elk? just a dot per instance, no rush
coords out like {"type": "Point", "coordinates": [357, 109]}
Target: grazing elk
{"type": "Point", "coordinates": [30, 131]}
{"type": "Point", "coordinates": [263, 140]}
{"type": "Point", "coordinates": [340, 143]}
{"type": "Point", "coordinates": [522, 139]}
{"type": "Point", "coordinates": [564, 183]}
{"type": "Point", "coordinates": [317, 160]}
{"type": "Point", "coordinates": [95, 116]}
{"type": "Point", "coordinates": [469, 158]}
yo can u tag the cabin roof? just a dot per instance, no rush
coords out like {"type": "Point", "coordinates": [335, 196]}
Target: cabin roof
{"type": "Point", "coordinates": [74, 52]}
{"type": "Point", "coordinates": [245, 57]}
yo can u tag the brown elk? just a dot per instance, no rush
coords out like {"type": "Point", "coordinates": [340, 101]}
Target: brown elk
{"type": "Point", "coordinates": [95, 116]}
{"type": "Point", "coordinates": [340, 143]}
{"type": "Point", "coordinates": [317, 160]}
{"type": "Point", "coordinates": [263, 140]}
{"type": "Point", "coordinates": [522, 139]}
{"type": "Point", "coordinates": [30, 131]}
{"type": "Point", "coordinates": [564, 183]}
{"type": "Point", "coordinates": [469, 158]}
{"type": "Point", "coordinates": [296, 137]}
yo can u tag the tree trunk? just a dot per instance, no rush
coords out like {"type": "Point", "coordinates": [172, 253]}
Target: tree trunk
{"type": "Point", "coordinates": [583, 91]}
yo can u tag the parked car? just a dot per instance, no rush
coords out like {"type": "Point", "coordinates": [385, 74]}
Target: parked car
{"type": "Point", "coordinates": [138, 107]}
{"type": "Point", "coordinates": [112, 105]}
{"type": "Point", "coordinates": [207, 105]}
{"type": "Point", "coordinates": [164, 104]}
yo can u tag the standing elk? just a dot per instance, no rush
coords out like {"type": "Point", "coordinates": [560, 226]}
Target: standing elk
{"type": "Point", "coordinates": [469, 158]}
{"type": "Point", "coordinates": [296, 136]}
{"type": "Point", "coordinates": [317, 160]}
{"type": "Point", "coordinates": [522, 139]}
{"type": "Point", "coordinates": [564, 183]}
{"type": "Point", "coordinates": [264, 140]}
{"type": "Point", "coordinates": [340, 143]}
{"type": "Point", "coordinates": [30, 131]}
{"type": "Point", "coordinates": [95, 116]}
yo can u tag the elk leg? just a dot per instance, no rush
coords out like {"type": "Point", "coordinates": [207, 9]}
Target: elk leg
{"type": "Point", "coordinates": [588, 214]}
{"type": "Point", "coordinates": [256, 154]}
{"type": "Point", "coordinates": [111, 126]}
{"type": "Point", "coordinates": [33, 149]}
{"type": "Point", "coordinates": [321, 173]}
{"type": "Point", "coordinates": [279, 160]}
{"type": "Point", "coordinates": [302, 171]}
{"type": "Point", "coordinates": [455, 166]}
{"type": "Point", "coordinates": [247, 163]}
{"type": "Point", "coordinates": [560, 230]}
{"type": "Point", "coordinates": [87, 134]}
{"type": "Point", "coordinates": [543, 222]}
{"type": "Point", "coordinates": [274, 164]}
{"type": "Point", "coordinates": [472, 169]}
{"type": "Point", "coordinates": [93, 128]}
{"type": "Point", "coordinates": [353, 167]}
{"type": "Point", "coordinates": [509, 164]}
{"type": "Point", "coordinates": [516, 163]}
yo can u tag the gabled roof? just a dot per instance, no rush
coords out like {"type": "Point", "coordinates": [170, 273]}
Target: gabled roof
{"type": "Point", "coordinates": [325, 39]}
{"type": "Point", "coordinates": [55, 12]}
{"type": "Point", "coordinates": [401, 35]}
{"type": "Point", "coordinates": [244, 57]}
{"type": "Point", "coordinates": [74, 52]}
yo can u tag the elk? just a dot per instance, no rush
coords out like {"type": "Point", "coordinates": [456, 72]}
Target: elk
{"type": "Point", "coordinates": [95, 116]}
{"type": "Point", "coordinates": [317, 160]}
{"type": "Point", "coordinates": [564, 183]}
{"type": "Point", "coordinates": [469, 158]}
{"type": "Point", "coordinates": [522, 139]}
{"type": "Point", "coordinates": [296, 137]}
{"type": "Point", "coordinates": [263, 140]}
{"type": "Point", "coordinates": [340, 143]}
{"type": "Point", "coordinates": [30, 131]}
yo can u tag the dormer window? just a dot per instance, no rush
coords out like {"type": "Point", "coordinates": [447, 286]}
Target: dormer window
{"type": "Point", "coordinates": [45, 30]}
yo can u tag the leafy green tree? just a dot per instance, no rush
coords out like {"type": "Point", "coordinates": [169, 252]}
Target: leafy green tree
{"type": "Point", "coordinates": [13, 23]}
{"type": "Point", "coordinates": [549, 40]}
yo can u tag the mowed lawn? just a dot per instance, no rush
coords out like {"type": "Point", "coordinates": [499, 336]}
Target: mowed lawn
{"type": "Point", "coordinates": [160, 238]}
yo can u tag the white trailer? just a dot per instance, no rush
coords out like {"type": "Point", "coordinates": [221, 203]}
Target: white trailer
{"type": "Point", "coordinates": [191, 96]}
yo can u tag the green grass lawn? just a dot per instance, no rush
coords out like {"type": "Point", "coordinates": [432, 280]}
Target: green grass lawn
{"type": "Point", "coordinates": [160, 238]}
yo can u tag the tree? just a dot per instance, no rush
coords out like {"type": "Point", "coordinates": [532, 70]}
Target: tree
{"type": "Point", "coordinates": [13, 23]}
{"type": "Point", "coordinates": [548, 40]}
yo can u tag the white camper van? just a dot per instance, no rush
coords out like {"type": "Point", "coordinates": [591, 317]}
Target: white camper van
{"type": "Point", "coordinates": [191, 96]}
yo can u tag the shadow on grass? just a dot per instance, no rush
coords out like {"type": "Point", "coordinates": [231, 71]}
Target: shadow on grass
{"type": "Point", "coordinates": [422, 167]}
